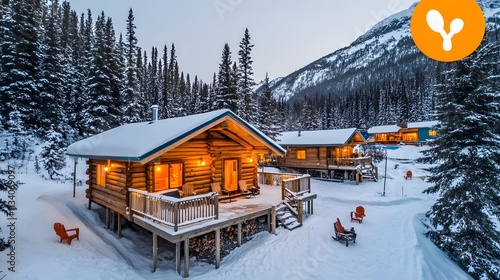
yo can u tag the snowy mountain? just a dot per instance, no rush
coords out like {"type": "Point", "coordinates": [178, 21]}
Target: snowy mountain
{"type": "Point", "coordinates": [387, 48]}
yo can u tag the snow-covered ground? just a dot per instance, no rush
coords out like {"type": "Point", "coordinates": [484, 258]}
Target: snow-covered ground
{"type": "Point", "coordinates": [390, 242]}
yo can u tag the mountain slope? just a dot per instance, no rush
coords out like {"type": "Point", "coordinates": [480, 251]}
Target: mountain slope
{"type": "Point", "coordinates": [385, 50]}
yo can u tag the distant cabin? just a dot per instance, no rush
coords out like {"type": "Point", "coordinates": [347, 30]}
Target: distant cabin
{"type": "Point", "coordinates": [162, 156]}
{"type": "Point", "coordinates": [327, 154]}
{"type": "Point", "coordinates": [407, 133]}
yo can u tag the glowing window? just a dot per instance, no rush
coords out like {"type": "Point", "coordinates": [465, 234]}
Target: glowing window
{"type": "Point", "coordinates": [432, 133]}
{"type": "Point", "coordinates": [168, 176]}
{"type": "Point", "coordinates": [301, 154]}
{"type": "Point", "coordinates": [101, 175]}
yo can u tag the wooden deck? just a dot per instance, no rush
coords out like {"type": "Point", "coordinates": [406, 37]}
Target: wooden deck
{"type": "Point", "coordinates": [202, 221]}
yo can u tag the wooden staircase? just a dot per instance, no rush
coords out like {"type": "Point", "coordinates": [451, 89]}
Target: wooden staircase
{"type": "Point", "coordinates": [369, 174]}
{"type": "Point", "coordinates": [286, 217]}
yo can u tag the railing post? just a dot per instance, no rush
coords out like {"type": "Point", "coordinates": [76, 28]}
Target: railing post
{"type": "Point", "coordinates": [216, 206]}
{"type": "Point", "coordinates": [282, 190]}
{"type": "Point", "coordinates": [299, 210]}
{"type": "Point", "coordinates": [176, 216]}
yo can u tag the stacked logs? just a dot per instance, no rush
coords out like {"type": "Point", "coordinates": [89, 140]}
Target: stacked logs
{"type": "Point", "coordinates": [203, 247]}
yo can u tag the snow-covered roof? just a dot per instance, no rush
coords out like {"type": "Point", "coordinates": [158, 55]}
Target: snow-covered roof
{"type": "Point", "coordinates": [392, 128]}
{"type": "Point", "coordinates": [335, 137]}
{"type": "Point", "coordinates": [422, 124]}
{"type": "Point", "coordinates": [142, 141]}
{"type": "Point", "coordinates": [384, 129]}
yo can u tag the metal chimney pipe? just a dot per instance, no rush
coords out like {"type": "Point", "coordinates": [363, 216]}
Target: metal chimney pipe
{"type": "Point", "coordinates": [154, 112]}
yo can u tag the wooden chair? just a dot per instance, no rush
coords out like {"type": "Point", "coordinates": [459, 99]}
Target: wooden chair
{"type": "Point", "coordinates": [217, 189]}
{"type": "Point", "coordinates": [408, 175]}
{"type": "Point", "coordinates": [187, 190]}
{"type": "Point", "coordinates": [63, 233]}
{"type": "Point", "coordinates": [248, 191]}
{"type": "Point", "coordinates": [343, 235]}
{"type": "Point", "coordinates": [358, 214]}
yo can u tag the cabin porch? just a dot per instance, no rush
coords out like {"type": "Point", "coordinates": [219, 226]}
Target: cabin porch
{"type": "Point", "coordinates": [177, 220]}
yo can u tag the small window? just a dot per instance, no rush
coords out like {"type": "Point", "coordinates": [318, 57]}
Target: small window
{"type": "Point", "coordinates": [101, 175]}
{"type": "Point", "coordinates": [432, 133]}
{"type": "Point", "coordinates": [301, 154]}
{"type": "Point", "coordinates": [168, 176]}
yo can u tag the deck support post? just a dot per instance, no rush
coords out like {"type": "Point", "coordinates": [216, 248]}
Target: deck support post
{"type": "Point", "coordinates": [107, 218]}
{"type": "Point", "coordinates": [217, 248]}
{"type": "Point", "coordinates": [74, 178]}
{"type": "Point", "coordinates": [178, 257]}
{"type": "Point", "coordinates": [155, 251]}
{"type": "Point", "coordinates": [239, 235]}
{"type": "Point", "coordinates": [119, 221]}
{"type": "Point", "coordinates": [186, 258]}
{"type": "Point", "coordinates": [273, 219]}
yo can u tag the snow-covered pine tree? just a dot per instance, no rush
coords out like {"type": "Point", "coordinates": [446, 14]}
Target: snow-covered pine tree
{"type": "Point", "coordinates": [103, 86]}
{"type": "Point", "coordinates": [225, 91]}
{"type": "Point", "coordinates": [268, 121]}
{"type": "Point", "coordinates": [54, 153]}
{"type": "Point", "coordinates": [467, 153]}
{"type": "Point", "coordinates": [52, 79]}
{"type": "Point", "coordinates": [131, 105]}
{"type": "Point", "coordinates": [19, 60]}
{"type": "Point", "coordinates": [246, 97]}
{"type": "Point", "coordinates": [165, 86]}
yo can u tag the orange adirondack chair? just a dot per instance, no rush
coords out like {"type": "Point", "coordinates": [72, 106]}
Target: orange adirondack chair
{"type": "Point", "coordinates": [63, 233]}
{"type": "Point", "coordinates": [341, 234]}
{"type": "Point", "coordinates": [358, 214]}
{"type": "Point", "coordinates": [408, 175]}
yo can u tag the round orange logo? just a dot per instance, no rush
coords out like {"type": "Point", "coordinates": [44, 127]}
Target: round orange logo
{"type": "Point", "coordinates": [447, 30]}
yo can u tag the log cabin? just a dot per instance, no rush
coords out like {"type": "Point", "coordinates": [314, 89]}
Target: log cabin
{"type": "Point", "coordinates": [415, 133]}
{"type": "Point", "coordinates": [163, 156]}
{"type": "Point", "coordinates": [327, 154]}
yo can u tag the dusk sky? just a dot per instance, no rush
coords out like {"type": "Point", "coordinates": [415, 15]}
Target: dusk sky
{"type": "Point", "coordinates": [287, 34]}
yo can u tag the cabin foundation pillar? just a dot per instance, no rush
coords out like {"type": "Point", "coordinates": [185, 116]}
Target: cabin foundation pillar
{"type": "Point", "coordinates": [239, 235]}
{"type": "Point", "coordinates": [119, 221]}
{"type": "Point", "coordinates": [155, 251]}
{"type": "Point", "coordinates": [178, 257]}
{"type": "Point", "coordinates": [107, 218]}
{"type": "Point", "coordinates": [186, 258]}
{"type": "Point", "coordinates": [273, 220]}
{"type": "Point", "coordinates": [217, 248]}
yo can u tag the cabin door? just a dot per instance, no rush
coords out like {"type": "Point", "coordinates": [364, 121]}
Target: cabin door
{"type": "Point", "coordinates": [231, 174]}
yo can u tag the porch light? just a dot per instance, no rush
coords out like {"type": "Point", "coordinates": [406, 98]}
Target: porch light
{"type": "Point", "coordinates": [202, 162]}
{"type": "Point", "coordinates": [106, 168]}
{"type": "Point", "coordinates": [158, 168]}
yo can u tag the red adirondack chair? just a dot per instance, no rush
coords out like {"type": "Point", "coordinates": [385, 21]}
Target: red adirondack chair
{"type": "Point", "coordinates": [343, 235]}
{"type": "Point", "coordinates": [358, 214]}
{"type": "Point", "coordinates": [63, 233]}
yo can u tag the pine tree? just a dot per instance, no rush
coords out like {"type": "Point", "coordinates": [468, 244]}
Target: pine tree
{"type": "Point", "coordinates": [131, 106]}
{"type": "Point", "coordinates": [467, 151]}
{"type": "Point", "coordinates": [225, 90]}
{"type": "Point", "coordinates": [246, 96]}
{"type": "Point", "coordinates": [54, 154]}
{"type": "Point", "coordinates": [52, 83]}
{"type": "Point", "coordinates": [268, 121]}
{"type": "Point", "coordinates": [20, 60]}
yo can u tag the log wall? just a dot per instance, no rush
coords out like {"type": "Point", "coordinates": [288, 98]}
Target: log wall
{"type": "Point", "coordinates": [210, 147]}
{"type": "Point", "coordinates": [316, 157]}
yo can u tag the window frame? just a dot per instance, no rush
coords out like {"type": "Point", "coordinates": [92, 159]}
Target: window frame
{"type": "Point", "coordinates": [101, 175]}
{"type": "Point", "coordinates": [168, 182]}
{"type": "Point", "coordinates": [299, 155]}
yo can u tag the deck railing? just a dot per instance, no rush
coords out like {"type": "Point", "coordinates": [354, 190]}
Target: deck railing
{"type": "Point", "coordinates": [174, 212]}
{"type": "Point", "coordinates": [297, 185]}
{"type": "Point", "coordinates": [271, 179]}
{"type": "Point", "coordinates": [362, 161]}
